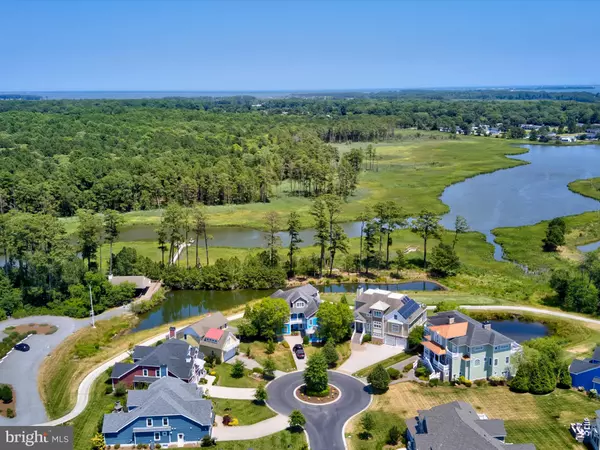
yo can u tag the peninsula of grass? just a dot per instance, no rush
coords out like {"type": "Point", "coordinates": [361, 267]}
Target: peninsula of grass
{"type": "Point", "coordinates": [247, 412]}
{"type": "Point", "coordinates": [589, 187]}
{"type": "Point", "coordinates": [542, 420]}
{"type": "Point", "coordinates": [289, 440]}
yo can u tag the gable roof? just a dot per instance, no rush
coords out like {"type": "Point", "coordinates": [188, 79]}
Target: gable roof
{"type": "Point", "coordinates": [368, 299]}
{"type": "Point", "coordinates": [214, 333]}
{"type": "Point", "coordinates": [220, 343]}
{"type": "Point", "coordinates": [475, 334]}
{"type": "Point", "coordinates": [380, 306]}
{"type": "Point", "coordinates": [212, 320]}
{"type": "Point", "coordinates": [456, 425]}
{"type": "Point", "coordinates": [139, 281]}
{"type": "Point", "coordinates": [173, 353]}
{"type": "Point", "coordinates": [167, 396]}
{"type": "Point", "coordinates": [583, 365]}
{"type": "Point", "coordinates": [452, 330]}
{"type": "Point", "coordinates": [596, 355]}
{"type": "Point", "coordinates": [306, 292]}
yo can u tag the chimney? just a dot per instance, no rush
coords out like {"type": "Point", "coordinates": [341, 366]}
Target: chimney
{"type": "Point", "coordinates": [171, 332]}
{"type": "Point", "coordinates": [487, 325]}
{"type": "Point", "coordinates": [450, 320]}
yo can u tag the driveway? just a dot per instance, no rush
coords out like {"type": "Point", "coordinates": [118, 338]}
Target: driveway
{"type": "Point", "coordinates": [366, 355]}
{"type": "Point", "coordinates": [21, 368]}
{"type": "Point", "coordinates": [293, 340]}
{"type": "Point", "coordinates": [324, 423]}
{"type": "Point", "coordinates": [255, 431]}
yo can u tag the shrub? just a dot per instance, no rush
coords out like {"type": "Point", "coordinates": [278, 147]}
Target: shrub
{"type": "Point", "coordinates": [285, 344]}
{"type": "Point", "coordinates": [157, 446]}
{"type": "Point", "coordinates": [434, 382]}
{"type": "Point", "coordinates": [297, 419]}
{"type": "Point", "coordinates": [261, 395]}
{"type": "Point", "coordinates": [497, 381]}
{"type": "Point", "coordinates": [249, 352]}
{"type": "Point", "coordinates": [237, 370]}
{"type": "Point", "coordinates": [207, 441]}
{"type": "Point", "coordinates": [330, 353]}
{"type": "Point", "coordinates": [379, 378]}
{"type": "Point", "coordinates": [120, 389]}
{"type": "Point", "coordinates": [108, 390]}
{"type": "Point", "coordinates": [258, 370]}
{"type": "Point", "coordinates": [305, 339]}
{"type": "Point", "coordinates": [117, 446]}
{"type": "Point", "coordinates": [394, 435]}
{"type": "Point", "coordinates": [315, 375]}
{"type": "Point", "coordinates": [407, 368]}
{"type": "Point", "coordinates": [217, 360]}
{"type": "Point", "coordinates": [581, 389]}
{"type": "Point", "coordinates": [464, 381]}
{"type": "Point", "coordinates": [270, 348]}
{"type": "Point", "coordinates": [393, 373]}
{"type": "Point", "coordinates": [367, 337]}
{"type": "Point", "coordinates": [227, 420]}
{"type": "Point", "coordinates": [269, 369]}
{"type": "Point", "coordinates": [368, 423]}
{"type": "Point", "coordinates": [481, 382]}
{"type": "Point", "coordinates": [592, 393]}
{"type": "Point", "coordinates": [10, 413]}
{"type": "Point", "coordinates": [6, 394]}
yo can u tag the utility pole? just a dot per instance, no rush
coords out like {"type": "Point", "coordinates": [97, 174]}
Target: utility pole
{"type": "Point", "coordinates": [92, 307]}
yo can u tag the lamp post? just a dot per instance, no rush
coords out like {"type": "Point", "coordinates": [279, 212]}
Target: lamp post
{"type": "Point", "coordinates": [92, 307]}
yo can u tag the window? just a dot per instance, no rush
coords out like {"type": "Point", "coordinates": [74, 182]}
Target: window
{"type": "Point", "coordinates": [299, 304]}
{"type": "Point", "coordinates": [145, 372]}
{"type": "Point", "coordinates": [496, 361]}
{"type": "Point", "coordinates": [477, 362]}
{"type": "Point", "coordinates": [490, 361]}
{"type": "Point", "coordinates": [157, 436]}
{"type": "Point", "coordinates": [165, 421]}
{"type": "Point", "coordinates": [377, 325]}
{"type": "Point", "coordinates": [395, 328]}
{"type": "Point", "coordinates": [507, 359]}
{"type": "Point", "coordinates": [149, 423]}
{"type": "Point", "coordinates": [377, 313]}
{"type": "Point", "coordinates": [157, 372]}
{"type": "Point", "coordinates": [367, 327]}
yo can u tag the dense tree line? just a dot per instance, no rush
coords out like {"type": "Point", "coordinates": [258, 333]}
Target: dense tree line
{"type": "Point", "coordinates": [579, 290]}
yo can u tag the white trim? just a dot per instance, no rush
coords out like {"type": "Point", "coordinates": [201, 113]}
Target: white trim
{"type": "Point", "coordinates": [163, 421]}
{"type": "Point", "coordinates": [157, 440]}
{"type": "Point", "coordinates": [144, 372]}
{"type": "Point", "coordinates": [149, 422]}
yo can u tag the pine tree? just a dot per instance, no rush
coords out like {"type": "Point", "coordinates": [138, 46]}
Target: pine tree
{"type": "Point", "coordinates": [542, 377]}
{"type": "Point", "coordinates": [520, 382]}
{"type": "Point", "coordinates": [330, 353]}
{"type": "Point", "coordinates": [379, 379]}
{"type": "Point", "coordinates": [564, 378]}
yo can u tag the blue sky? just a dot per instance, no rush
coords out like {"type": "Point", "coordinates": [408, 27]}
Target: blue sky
{"type": "Point", "coordinates": [287, 45]}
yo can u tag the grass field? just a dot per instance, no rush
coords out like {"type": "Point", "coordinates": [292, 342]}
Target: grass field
{"type": "Point", "coordinates": [413, 172]}
{"type": "Point", "coordinates": [282, 357]}
{"type": "Point", "coordinates": [385, 363]}
{"type": "Point", "coordinates": [247, 412]}
{"type": "Point", "coordinates": [281, 440]}
{"type": "Point", "coordinates": [225, 378]}
{"type": "Point", "coordinates": [343, 350]}
{"type": "Point", "coordinates": [541, 420]}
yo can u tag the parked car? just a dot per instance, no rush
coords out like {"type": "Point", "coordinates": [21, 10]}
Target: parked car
{"type": "Point", "coordinates": [22, 347]}
{"type": "Point", "coordinates": [299, 351]}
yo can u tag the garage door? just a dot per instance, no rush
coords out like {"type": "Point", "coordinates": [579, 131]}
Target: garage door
{"type": "Point", "coordinates": [395, 341]}
{"type": "Point", "coordinates": [229, 354]}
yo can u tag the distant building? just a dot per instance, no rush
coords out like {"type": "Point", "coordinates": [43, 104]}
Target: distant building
{"type": "Point", "coordinates": [213, 336]}
{"type": "Point", "coordinates": [568, 139]}
{"type": "Point", "coordinates": [141, 283]}
{"type": "Point", "coordinates": [387, 316]}
{"type": "Point", "coordinates": [456, 426]}
{"type": "Point", "coordinates": [529, 126]}
{"type": "Point", "coordinates": [586, 372]}
{"type": "Point", "coordinates": [304, 302]}
{"type": "Point", "coordinates": [169, 412]}
{"type": "Point", "coordinates": [456, 345]}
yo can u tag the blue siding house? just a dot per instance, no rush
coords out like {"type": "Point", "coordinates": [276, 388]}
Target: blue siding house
{"type": "Point", "coordinates": [586, 372]}
{"type": "Point", "coordinates": [304, 303]}
{"type": "Point", "coordinates": [170, 411]}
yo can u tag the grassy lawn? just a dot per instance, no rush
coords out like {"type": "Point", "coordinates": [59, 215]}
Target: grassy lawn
{"type": "Point", "coordinates": [282, 357]}
{"type": "Point", "coordinates": [541, 420]}
{"type": "Point", "coordinates": [88, 422]}
{"type": "Point", "coordinates": [386, 363]}
{"type": "Point", "coordinates": [281, 440]}
{"type": "Point", "coordinates": [246, 411]}
{"type": "Point", "coordinates": [343, 350]}
{"type": "Point", "coordinates": [225, 379]}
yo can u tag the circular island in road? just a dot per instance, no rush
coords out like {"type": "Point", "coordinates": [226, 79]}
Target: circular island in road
{"type": "Point", "coordinates": [324, 422]}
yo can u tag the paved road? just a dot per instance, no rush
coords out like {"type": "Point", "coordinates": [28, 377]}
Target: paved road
{"type": "Point", "coordinates": [324, 423]}
{"type": "Point", "coordinates": [21, 368]}
{"type": "Point", "coordinates": [530, 309]}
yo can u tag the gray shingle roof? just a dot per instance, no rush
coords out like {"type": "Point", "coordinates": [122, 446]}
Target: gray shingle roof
{"type": "Point", "coordinates": [172, 353]}
{"type": "Point", "coordinates": [596, 355]}
{"type": "Point", "coordinates": [213, 320]}
{"type": "Point", "coordinates": [455, 426]}
{"type": "Point", "coordinates": [306, 292]}
{"type": "Point", "coordinates": [582, 365]}
{"type": "Point", "coordinates": [396, 301]}
{"type": "Point", "coordinates": [476, 333]}
{"type": "Point", "coordinates": [167, 396]}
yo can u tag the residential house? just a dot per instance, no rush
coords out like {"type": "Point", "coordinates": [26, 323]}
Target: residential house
{"type": "Point", "coordinates": [388, 316]}
{"type": "Point", "coordinates": [173, 358]}
{"type": "Point", "coordinates": [568, 139]}
{"type": "Point", "coordinates": [142, 284]}
{"type": "Point", "coordinates": [454, 426]}
{"type": "Point", "coordinates": [594, 437]}
{"type": "Point", "coordinates": [168, 412]}
{"type": "Point", "coordinates": [586, 372]}
{"type": "Point", "coordinates": [213, 335]}
{"type": "Point", "coordinates": [456, 345]}
{"type": "Point", "coordinates": [304, 303]}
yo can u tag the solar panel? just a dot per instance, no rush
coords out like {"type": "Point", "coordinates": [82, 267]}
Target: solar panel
{"type": "Point", "coordinates": [409, 308]}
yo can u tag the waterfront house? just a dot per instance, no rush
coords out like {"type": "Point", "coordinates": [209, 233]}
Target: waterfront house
{"type": "Point", "coordinates": [142, 284]}
{"type": "Point", "coordinates": [304, 303]}
{"type": "Point", "coordinates": [456, 345]}
{"type": "Point", "coordinates": [173, 358]}
{"type": "Point", "coordinates": [213, 335]}
{"type": "Point", "coordinates": [586, 372]}
{"type": "Point", "coordinates": [387, 316]}
{"type": "Point", "coordinates": [170, 411]}
{"type": "Point", "coordinates": [454, 426]}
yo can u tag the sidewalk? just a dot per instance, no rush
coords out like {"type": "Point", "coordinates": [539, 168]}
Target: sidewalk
{"type": "Point", "coordinates": [231, 392]}
{"type": "Point", "coordinates": [258, 430]}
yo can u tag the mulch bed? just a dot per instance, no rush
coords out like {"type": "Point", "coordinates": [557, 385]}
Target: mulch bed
{"type": "Point", "coordinates": [4, 407]}
{"type": "Point", "coordinates": [38, 328]}
{"type": "Point", "coordinates": [334, 393]}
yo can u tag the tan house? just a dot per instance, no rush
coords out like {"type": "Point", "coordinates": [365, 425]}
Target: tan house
{"type": "Point", "coordinates": [213, 335]}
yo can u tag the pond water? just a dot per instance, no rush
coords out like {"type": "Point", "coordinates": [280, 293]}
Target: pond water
{"type": "Point", "coordinates": [589, 247]}
{"type": "Point", "coordinates": [520, 331]}
{"type": "Point", "coordinates": [186, 303]}
{"type": "Point", "coordinates": [234, 236]}
{"type": "Point", "coordinates": [526, 194]}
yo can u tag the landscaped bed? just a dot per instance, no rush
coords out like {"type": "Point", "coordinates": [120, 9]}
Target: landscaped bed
{"type": "Point", "coordinates": [33, 328]}
{"type": "Point", "coordinates": [330, 395]}
{"type": "Point", "coordinates": [8, 408]}
{"type": "Point", "coordinates": [281, 356]}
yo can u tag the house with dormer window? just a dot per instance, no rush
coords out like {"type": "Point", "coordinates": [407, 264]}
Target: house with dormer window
{"type": "Point", "coordinates": [213, 335]}
{"type": "Point", "coordinates": [304, 303]}
{"type": "Point", "coordinates": [388, 317]}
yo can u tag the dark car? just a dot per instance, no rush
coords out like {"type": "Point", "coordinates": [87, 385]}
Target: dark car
{"type": "Point", "coordinates": [22, 347]}
{"type": "Point", "coordinates": [299, 351]}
